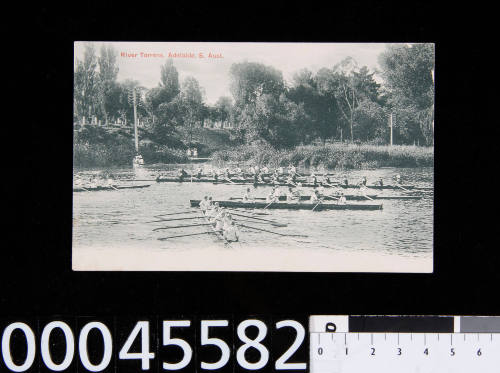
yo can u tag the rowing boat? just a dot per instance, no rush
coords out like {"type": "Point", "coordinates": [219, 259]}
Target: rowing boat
{"type": "Point", "coordinates": [267, 183]}
{"type": "Point", "coordinates": [99, 188]}
{"type": "Point", "coordinates": [349, 197]}
{"type": "Point", "coordinates": [293, 206]}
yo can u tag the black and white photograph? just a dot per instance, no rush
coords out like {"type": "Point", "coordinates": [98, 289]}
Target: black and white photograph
{"type": "Point", "coordinates": [268, 157]}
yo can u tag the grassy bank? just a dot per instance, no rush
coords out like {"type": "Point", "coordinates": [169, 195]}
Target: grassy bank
{"type": "Point", "coordinates": [107, 155]}
{"type": "Point", "coordinates": [331, 156]}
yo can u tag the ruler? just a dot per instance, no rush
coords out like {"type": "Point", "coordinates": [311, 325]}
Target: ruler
{"type": "Point", "coordinates": [386, 344]}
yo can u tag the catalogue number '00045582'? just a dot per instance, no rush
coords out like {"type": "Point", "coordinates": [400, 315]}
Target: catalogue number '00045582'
{"type": "Point", "coordinates": [155, 345]}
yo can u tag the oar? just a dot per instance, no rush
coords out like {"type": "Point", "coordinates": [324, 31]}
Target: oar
{"type": "Point", "coordinates": [85, 189]}
{"type": "Point", "coordinates": [279, 234]}
{"type": "Point", "coordinates": [255, 212]}
{"type": "Point", "coordinates": [399, 186]}
{"type": "Point", "coordinates": [253, 217]}
{"type": "Point", "coordinates": [269, 204]}
{"type": "Point", "coordinates": [314, 208]}
{"type": "Point", "coordinates": [227, 179]}
{"type": "Point", "coordinates": [331, 197]}
{"type": "Point", "coordinates": [163, 220]}
{"type": "Point", "coordinates": [111, 186]}
{"type": "Point", "coordinates": [178, 213]}
{"type": "Point", "coordinates": [181, 226]}
{"type": "Point", "coordinates": [183, 235]}
{"type": "Point", "coordinates": [277, 225]}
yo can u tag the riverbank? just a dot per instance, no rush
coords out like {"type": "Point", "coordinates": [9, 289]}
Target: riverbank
{"type": "Point", "coordinates": [336, 156]}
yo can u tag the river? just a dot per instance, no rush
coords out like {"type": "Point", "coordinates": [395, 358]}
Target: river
{"type": "Point", "coordinates": [121, 222]}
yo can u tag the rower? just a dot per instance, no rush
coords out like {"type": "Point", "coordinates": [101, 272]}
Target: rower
{"type": "Point", "coordinates": [228, 219]}
{"type": "Point", "coordinates": [314, 180]}
{"type": "Point", "coordinates": [271, 197]}
{"type": "Point", "coordinates": [315, 197]}
{"type": "Point", "coordinates": [292, 170]}
{"type": "Point", "coordinates": [248, 196]}
{"type": "Point", "coordinates": [219, 220]}
{"type": "Point", "coordinates": [345, 181]}
{"type": "Point", "coordinates": [292, 195]}
{"type": "Point", "coordinates": [204, 204]}
{"type": "Point", "coordinates": [275, 178]}
{"type": "Point", "coordinates": [210, 203]}
{"type": "Point", "coordinates": [398, 178]}
{"type": "Point", "coordinates": [342, 200]}
{"type": "Point", "coordinates": [280, 170]}
{"type": "Point", "coordinates": [363, 181]}
{"type": "Point", "coordinates": [110, 180]}
{"type": "Point", "coordinates": [380, 182]}
{"type": "Point", "coordinates": [363, 189]}
{"type": "Point", "coordinates": [199, 173]}
{"type": "Point", "coordinates": [290, 180]}
{"type": "Point", "coordinates": [182, 174]}
{"type": "Point", "coordinates": [264, 170]}
{"type": "Point", "coordinates": [215, 175]}
{"type": "Point", "coordinates": [231, 233]}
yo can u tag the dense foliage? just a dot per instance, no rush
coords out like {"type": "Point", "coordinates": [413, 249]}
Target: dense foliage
{"type": "Point", "coordinates": [344, 103]}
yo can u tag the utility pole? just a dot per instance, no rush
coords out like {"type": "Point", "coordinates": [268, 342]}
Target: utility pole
{"type": "Point", "coordinates": [390, 123]}
{"type": "Point", "coordinates": [135, 125]}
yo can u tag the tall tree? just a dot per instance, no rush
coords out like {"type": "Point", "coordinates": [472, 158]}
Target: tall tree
{"type": "Point", "coordinates": [249, 80]}
{"type": "Point", "coordinates": [86, 83]}
{"type": "Point", "coordinates": [167, 90]}
{"type": "Point", "coordinates": [408, 72]}
{"type": "Point", "coordinates": [108, 71]}
{"type": "Point", "coordinates": [192, 101]}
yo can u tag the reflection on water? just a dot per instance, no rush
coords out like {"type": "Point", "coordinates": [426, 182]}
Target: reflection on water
{"type": "Point", "coordinates": [123, 218]}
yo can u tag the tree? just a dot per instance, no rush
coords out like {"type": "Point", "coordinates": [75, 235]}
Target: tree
{"type": "Point", "coordinates": [108, 71]}
{"type": "Point", "coordinates": [224, 109]}
{"type": "Point", "coordinates": [318, 104]}
{"type": "Point", "coordinates": [250, 80]}
{"type": "Point", "coordinates": [85, 83]}
{"type": "Point", "coordinates": [167, 90]}
{"type": "Point", "coordinates": [408, 73]}
{"type": "Point", "coordinates": [192, 101]}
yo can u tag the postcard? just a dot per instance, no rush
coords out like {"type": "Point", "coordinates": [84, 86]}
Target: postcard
{"type": "Point", "coordinates": [268, 157]}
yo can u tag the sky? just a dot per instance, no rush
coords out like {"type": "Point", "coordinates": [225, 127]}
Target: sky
{"type": "Point", "coordinates": [213, 73]}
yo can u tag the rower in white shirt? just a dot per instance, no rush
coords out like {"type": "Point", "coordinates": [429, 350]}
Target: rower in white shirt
{"type": "Point", "coordinates": [204, 204]}
{"type": "Point", "coordinates": [231, 233]}
{"type": "Point", "coordinates": [248, 197]}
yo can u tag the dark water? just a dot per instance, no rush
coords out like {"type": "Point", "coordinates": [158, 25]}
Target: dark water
{"type": "Point", "coordinates": [123, 218]}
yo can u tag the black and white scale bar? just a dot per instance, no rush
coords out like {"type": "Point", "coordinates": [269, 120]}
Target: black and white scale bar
{"type": "Point", "coordinates": [404, 324]}
{"type": "Point", "coordinates": [390, 344]}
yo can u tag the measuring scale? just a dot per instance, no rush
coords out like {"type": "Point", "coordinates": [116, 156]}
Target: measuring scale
{"type": "Point", "coordinates": [386, 344]}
